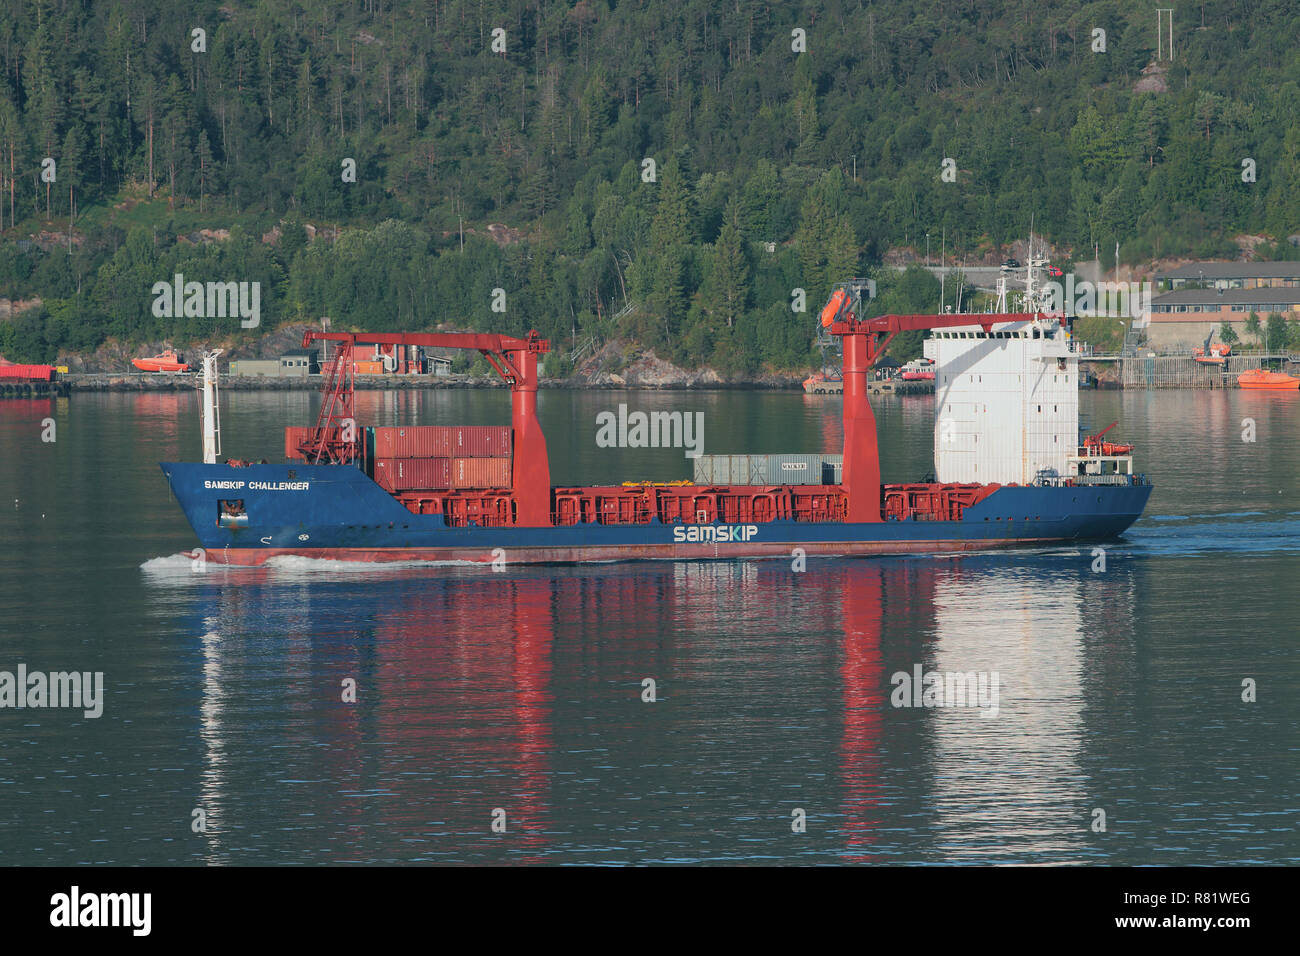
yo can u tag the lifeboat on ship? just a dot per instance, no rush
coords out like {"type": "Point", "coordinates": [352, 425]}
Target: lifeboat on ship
{"type": "Point", "coordinates": [168, 361]}
{"type": "Point", "coordinates": [1097, 445]}
{"type": "Point", "coordinates": [1264, 379]}
{"type": "Point", "coordinates": [833, 308]}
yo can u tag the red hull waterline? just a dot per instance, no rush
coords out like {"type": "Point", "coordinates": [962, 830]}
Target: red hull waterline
{"type": "Point", "coordinates": [254, 557]}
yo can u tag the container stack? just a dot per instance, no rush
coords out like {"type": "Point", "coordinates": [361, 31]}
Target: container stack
{"type": "Point", "coordinates": [423, 457]}
{"type": "Point", "coordinates": [769, 469]}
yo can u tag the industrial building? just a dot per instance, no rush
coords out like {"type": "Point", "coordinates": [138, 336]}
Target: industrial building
{"type": "Point", "coordinates": [1181, 320]}
{"type": "Point", "coordinates": [1232, 275]}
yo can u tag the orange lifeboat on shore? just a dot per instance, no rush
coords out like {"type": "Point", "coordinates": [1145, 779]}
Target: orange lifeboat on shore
{"type": "Point", "coordinates": [168, 361]}
{"type": "Point", "coordinates": [1262, 378]}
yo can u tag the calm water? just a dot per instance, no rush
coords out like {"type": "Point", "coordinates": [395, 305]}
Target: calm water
{"type": "Point", "coordinates": [522, 690]}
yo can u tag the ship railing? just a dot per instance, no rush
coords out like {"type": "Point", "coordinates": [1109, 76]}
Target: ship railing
{"type": "Point", "coordinates": [1076, 481]}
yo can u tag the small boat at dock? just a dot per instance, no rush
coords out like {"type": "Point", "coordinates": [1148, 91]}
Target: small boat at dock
{"type": "Point", "coordinates": [168, 361]}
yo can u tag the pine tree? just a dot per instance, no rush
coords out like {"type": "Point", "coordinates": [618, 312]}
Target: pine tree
{"type": "Point", "coordinates": [728, 282]}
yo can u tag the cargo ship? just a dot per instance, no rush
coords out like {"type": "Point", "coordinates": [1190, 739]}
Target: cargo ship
{"type": "Point", "coordinates": [1010, 468]}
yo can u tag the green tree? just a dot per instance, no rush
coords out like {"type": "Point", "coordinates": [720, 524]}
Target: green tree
{"type": "Point", "coordinates": [727, 287]}
{"type": "Point", "coordinates": [1275, 333]}
{"type": "Point", "coordinates": [1253, 327]}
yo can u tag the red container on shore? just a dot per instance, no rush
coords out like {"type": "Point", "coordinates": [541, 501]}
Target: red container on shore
{"type": "Point", "coordinates": [39, 373]}
{"type": "Point", "coordinates": [480, 472]}
{"type": "Point", "coordinates": [412, 474]}
{"type": "Point", "coordinates": [443, 441]}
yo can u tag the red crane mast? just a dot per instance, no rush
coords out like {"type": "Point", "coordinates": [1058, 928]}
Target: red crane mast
{"type": "Point", "coordinates": [514, 359]}
{"type": "Point", "coordinates": [862, 347]}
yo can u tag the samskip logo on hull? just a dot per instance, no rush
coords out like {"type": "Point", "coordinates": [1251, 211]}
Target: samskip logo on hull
{"type": "Point", "coordinates": [714, 533]}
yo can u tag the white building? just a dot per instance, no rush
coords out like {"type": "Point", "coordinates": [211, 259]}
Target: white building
{"type": "Point", "coordinates": [1006, 402]}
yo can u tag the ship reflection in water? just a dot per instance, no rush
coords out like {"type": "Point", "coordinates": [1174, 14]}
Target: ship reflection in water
{"type": "Point", "coordinates": [520, 698]}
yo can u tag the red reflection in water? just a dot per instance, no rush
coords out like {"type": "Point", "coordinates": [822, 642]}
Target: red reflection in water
{"type": "Point", "coordinates": [483, 651]}
{"type": "Point", "coordinates": [866, 587]}
{"type": "Point", "coordinates": [24, 409]}
{"type": "Point", "coordinates": [165, 413]}
{"type": "Point", "coordinates": [863, 677]}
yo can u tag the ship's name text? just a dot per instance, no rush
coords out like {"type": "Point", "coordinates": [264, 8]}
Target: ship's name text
{"type": "Point", "coordinates": [257, 485]}
{"type": "Point", "coordinates": [708, 532]}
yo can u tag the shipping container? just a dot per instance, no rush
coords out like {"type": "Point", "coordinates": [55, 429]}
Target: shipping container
{"type": "Point", "coordinates": [480, 472]}
{"type": "Point", "coordinates": [443, 441]}
{"type": "Point", "coordinates": [410, 474]}
{"type": "Point", "coordinates": [768, 469]}
{"type": "Point", "coordinates": [248, 367]}
{"type": "Point", "coordinates": [294, 435]}
{"type": "Point", "coordinates": [367, 368]}
{"type": "Point", "coordinates": [406, 442]}
{"type": "Point", "coordinates": [39, 373]}
{"type": "Point", "coordinates": [788, 469]}
{"type": "Point", "coordinates": [479, 441]}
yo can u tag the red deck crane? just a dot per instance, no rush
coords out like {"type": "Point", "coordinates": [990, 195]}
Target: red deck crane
{"type": "Point", "coordinates": [514, 359]}
{"type": "Point", "coordinates": [860, 498]}
{"type": "Point", "coordinates": [862, 347]}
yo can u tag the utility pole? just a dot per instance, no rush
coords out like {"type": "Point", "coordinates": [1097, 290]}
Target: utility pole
{"type": "Point", "coordinates": [1163, 14]}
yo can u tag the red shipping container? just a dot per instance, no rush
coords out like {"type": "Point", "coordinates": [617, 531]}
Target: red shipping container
{"type": "Point", "coordinates": [479, 441]}
{"type": "Point", "coordinates": [443, 441]}
{"type": "Point", "coordinates": [480, 472]}
{"type": "Point", "coordinates": [410, 474]}
{"type": "Point", "coordinates": [411, 441]}
{"type": "Point", "coordinates": [40, 373]}
{"type": "Point", "coordinates": [293, 436]}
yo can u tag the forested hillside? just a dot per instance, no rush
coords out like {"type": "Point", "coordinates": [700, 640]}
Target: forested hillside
{"type": "Point", "coordinates": [661, 172]}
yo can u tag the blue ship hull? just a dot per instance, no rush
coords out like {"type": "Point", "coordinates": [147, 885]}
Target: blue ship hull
{"type": "Point", "coordinates": [337, 512]}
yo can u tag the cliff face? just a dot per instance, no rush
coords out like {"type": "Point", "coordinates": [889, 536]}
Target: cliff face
{"type": "Point", "coordinates": [618, 365]}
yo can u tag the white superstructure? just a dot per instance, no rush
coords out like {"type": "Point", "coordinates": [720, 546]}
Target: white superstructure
{"type": "Point", "coordinates": [1006, 401]}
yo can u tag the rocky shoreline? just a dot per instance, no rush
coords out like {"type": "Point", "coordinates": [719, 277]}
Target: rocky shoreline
{"type": "Point", "coordinates": [163, 382]}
